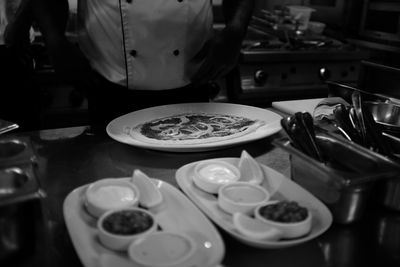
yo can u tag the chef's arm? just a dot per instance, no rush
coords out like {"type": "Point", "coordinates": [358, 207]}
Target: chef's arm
{"type": "Point", "coordinates": [223, 50]}
{"type": "Point", "coordinates": [3, 16]}
{"type": "Point", "coordinates": [16, 34]}
{"type": "Point", "coordinates": [68, 61]}
{"type": "Point", "coordinates": [237, 14]}
{"type": "Point", "coordinates": [51, 17]}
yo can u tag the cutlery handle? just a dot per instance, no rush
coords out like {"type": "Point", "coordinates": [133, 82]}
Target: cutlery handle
{"type": "Point", "coordinates": [376, 134]}
{"type": "Point", "coordinates": [357, 104]}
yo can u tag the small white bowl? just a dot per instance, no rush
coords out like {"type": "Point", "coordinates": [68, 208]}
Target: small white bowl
{"type": "Point", "coordinates": [241, 197]}
{"type": "Point", "coordinates": [119, 228]}
{"type": "Point", "coordinates": [288, 229]}
{"type": "Point", "coordinates": [109, 194]}
{"type": "Point", "coordinates": [163, 249]}
{"type": "Point", "coordinates": [210, 175]}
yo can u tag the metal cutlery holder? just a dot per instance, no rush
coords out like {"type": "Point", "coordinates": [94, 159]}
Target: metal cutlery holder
{"type": "Point", "coordinates": [20, 199]}
{"type": "Point", "coordinates": [16, 150]}
{"type": "Point", "coordinates": [346, 179]}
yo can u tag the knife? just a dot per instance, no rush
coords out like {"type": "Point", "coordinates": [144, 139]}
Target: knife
{"type": "Point", "coordinates": [6, 126]}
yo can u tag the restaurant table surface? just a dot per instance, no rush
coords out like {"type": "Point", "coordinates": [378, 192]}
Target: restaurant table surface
{"type": "Point", "coordinates": [71, 157]}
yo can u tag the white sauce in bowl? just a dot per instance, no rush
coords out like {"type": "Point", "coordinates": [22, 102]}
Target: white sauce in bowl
{"type": "Point", "coordinates": [111, 196]}
{"type": "Point", "coordinates": [217, 173]}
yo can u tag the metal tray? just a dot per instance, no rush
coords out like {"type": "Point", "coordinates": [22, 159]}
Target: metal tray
{"type": "Point", "coordinates": [16, 150]}
{"type": "Point", "coordinates": [20, 211]}
{"type": "Point", "coordinates": [345, 182]}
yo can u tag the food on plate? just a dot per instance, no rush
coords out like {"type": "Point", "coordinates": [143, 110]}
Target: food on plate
{"type": "Point", "coordinates": [150, 195]}
{"type": "Point", "coordinates": [118, 228]}
{"type": "Point", "coordinates": [162, 249]}
{"type": "Point", "coordinates": [254, 228]}
{"type": "Point", "coordinates": [127, 222]}
{"type": "Point", "coordinates": [194, 128]}
{"type": "Point", "coordinates": [241, 197]}
{"type": "Point", "coordinates": [107, 194]}
{"type": "Point", "coordinates": [289, 217]}
{"type": "Point", "coordinates": [210, 175]}
{"type": "Point", "coordinates": [284, 211]}
{"type": "Point", "coordinates": [249, 169]}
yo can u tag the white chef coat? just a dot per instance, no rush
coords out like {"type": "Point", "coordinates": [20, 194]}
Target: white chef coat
{"type": "Point", "coordinates": [144, 44]}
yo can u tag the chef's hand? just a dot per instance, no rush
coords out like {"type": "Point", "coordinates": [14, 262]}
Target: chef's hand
{"type": "Point", "coordinates": [220, 55]}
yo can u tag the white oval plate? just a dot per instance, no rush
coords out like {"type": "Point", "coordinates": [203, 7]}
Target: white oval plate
{"type": "Point", "coordinates": [280, 187]}
{"type": "Point", "coordinates": [177, 213]}
{"type": "Point", "coordinates": [116, 128]}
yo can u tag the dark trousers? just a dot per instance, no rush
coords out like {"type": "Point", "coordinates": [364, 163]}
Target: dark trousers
{"type": "Point", "coordinates": [108, 101]}
{"type": "Point", "coordinates": [19, 95]}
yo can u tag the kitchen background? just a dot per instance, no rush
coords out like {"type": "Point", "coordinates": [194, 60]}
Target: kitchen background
{"type": "Point", "coordinates": [277, 63]}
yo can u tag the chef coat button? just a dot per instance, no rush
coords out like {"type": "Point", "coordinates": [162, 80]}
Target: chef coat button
{"type": "Point", "coordinates": [176, 52]}
{"type": "Point", "coordinates": [129, 1]}
{"type": "Point", "coordinates": [133, 53]}
{"type": "Point", "coordinates": [180, 1]}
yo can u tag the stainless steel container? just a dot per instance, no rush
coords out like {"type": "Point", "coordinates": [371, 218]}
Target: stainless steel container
{"type": "Point", "coordinates": [16, 150]}
{"type": "Point", "coordinates": [20, 196]}
{"type": "Point", "coordinates": [389, 190]}
{"type": "Point", "coordinates": [20, 199]}
{"type": "Point", "coordinates": [347, 178]}
{"type": "Point", "coordinates": [390, 193]}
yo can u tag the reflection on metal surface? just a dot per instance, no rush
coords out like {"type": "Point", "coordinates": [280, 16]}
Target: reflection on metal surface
{"type": "Point", "coordinates": [62, 133]}
{"type": "Point", "coordinates": [388, 238]}
{"type": "Point", "coordinates": [6, 126]}
{"type": "Point", "coordinates": [339, 247]}
{"type": "Point", "coordinates": [10, 148]}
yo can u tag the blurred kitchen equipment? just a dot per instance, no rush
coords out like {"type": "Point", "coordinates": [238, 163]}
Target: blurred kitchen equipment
{"type": "Point", "coordinates": [340, 246]}
{"type": "Point", "coordinates": [14, 151]}
{"type": "Point", "coordinates": [6, 126]}
{"type": "Point", "coordinates": [386, 115]}
{"type": "Point", "coordinates": [378, 142]}
{"type": "Point", "coordinates": [357, 104]}
{"type": "Point", "coordinates": [345, 123]}
{"type": "Point", "coordinates": [346, 179]}
{"type": "Point", "coordinates": [300, 129]}
{"type": "Point", "coordinates": [387, 235]}
{"type": "Point", "coordinates": [20, 198]}
{"type": "Point", "coordinates": [390, 194]}
{"type": "Point", "coordinates": [345, 91]}
{"type": "Point", "coordinates": [20, 211]}
{"type": "Point", "coordinates": [394, 142]}
{"type": "Point", "coordinates": [302, 15]}
{"type": "Point", "coordinates": [316, 27]}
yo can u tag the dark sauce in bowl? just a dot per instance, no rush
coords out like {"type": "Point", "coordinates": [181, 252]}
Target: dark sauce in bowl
{"type": "Point", "coordinates": [127, 222]}
{"type": "Point", "coordinates": [284, 212]}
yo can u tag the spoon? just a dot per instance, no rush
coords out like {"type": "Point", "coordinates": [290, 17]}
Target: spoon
{"type": "Point", "coordinates": [308, 123]}
{"type": "Point", "coordinates": [345, 124]}
{"type": "Point", "coordinates": [150, 195]}
{"type": "Point", "coordinates": [357, 103]}
{"type": "Point", "coordinates": [376, 135]}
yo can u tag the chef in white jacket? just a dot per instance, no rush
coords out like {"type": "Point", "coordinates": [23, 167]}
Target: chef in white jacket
{"type": "Point", "coordinates": [133, 54]}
